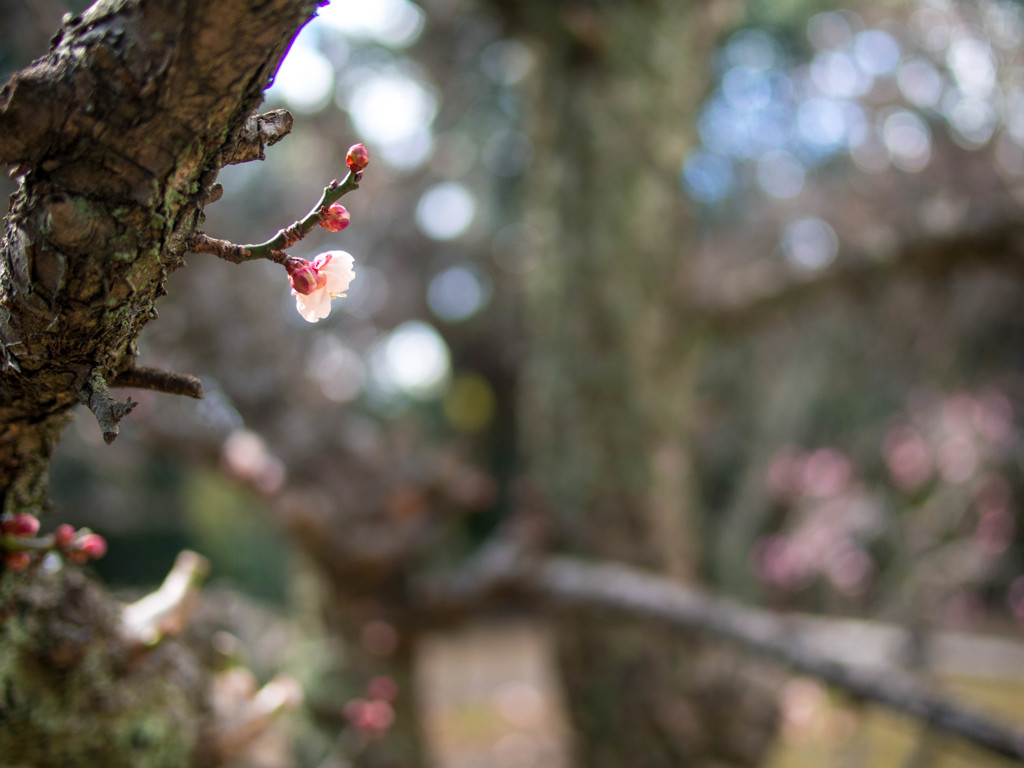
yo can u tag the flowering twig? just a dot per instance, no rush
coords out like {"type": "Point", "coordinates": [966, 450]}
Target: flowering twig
{"type": "Point", "coordinates": [19, 542]}
{"type": "Point", "coordinates": [274, 248]}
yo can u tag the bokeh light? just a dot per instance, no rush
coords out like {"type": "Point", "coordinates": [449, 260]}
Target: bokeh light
{"type": "Point", "coordinates": [445, 211]}
{"type": "Point", "coordinates": [392, 113]}
{"type": "Point", "coordinates": [338, 369]}
{"type": "Point", "coordinates": [809, 244]}
{"type": "Point", "coordinates": [305, 80]}
{"type": "Point", "coordinates": [396, 23]}
{"type": "Point", "coordinates": [469, 403]}
{"type": "Point", "coordinates": [459, 292]}
{"type": "Point", "coordinates": [412, 360]}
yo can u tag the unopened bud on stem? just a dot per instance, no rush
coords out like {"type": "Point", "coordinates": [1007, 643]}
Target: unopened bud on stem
{"type": "Point", "coordinates": [357, 158]}
{"type": "Point", "coordinates": [21, 524]}
{"type": "Point", "coordinates": [334, 217]}
{"type": "Point", "coordinates": [302, 275]}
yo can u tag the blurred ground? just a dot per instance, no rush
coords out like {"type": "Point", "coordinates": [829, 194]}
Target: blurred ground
{"type": "Point", "coordinates": [490, 701]}
{"type": "Point", "coordinates": [822, 729]}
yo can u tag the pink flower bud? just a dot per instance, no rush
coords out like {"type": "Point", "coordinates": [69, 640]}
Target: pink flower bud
{"type": "Point", "coordinates": [377, 717]}
{"type": "Point", "coordinates": [383, 688]}
{"type": "Point", "coordinates": [21, 524]}
{"type": "Point", "coordinates": [357, 158]}
{"type": "Point", "coordinates": [63, 536]}
{"type": "Point", "coordinates": [17, 561]}
{"type": "Point", "coordinates": [373, 718]}
{"type": "Point", "coordinates": [93, 545]}
{"type": "Point", "coordinates": [302, 275]}
{"type": "Point", "coordinates": [334, 218]}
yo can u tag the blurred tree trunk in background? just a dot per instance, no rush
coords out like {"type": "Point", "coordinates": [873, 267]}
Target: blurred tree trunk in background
{"type": "Point", "coordinates": [609, 383]}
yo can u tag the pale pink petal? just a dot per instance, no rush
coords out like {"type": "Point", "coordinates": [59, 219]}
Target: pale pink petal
{"type": "Point", "coordinates": [314, 306]}
{"type": "Point", "coordinates": [337, 266]}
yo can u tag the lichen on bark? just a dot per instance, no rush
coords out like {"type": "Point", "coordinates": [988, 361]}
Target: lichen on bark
{"type": "Point", "coordinates": [74, 693]}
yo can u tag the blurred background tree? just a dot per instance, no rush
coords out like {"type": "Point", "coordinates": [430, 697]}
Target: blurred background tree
{"type": "Point", "coordinates": [728, 292]}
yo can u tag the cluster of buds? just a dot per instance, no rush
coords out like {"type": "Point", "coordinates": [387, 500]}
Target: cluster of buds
{"type": "Point", "coordinates": [374, 715]}
{"type": "Point", "coordinates": [19, 541]}
{"type": "Point", "coordinates": [79, 546]}
{"type": "Point", "coordinates": [315, 283]}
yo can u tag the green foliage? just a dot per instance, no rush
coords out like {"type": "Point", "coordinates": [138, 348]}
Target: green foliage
{"type": "Point", "coordinates": [232, 527]}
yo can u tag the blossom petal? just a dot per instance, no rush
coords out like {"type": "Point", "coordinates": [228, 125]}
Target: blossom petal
{"type": "Point", "coordinates": [314, 306]}
{"type": "Point", "coordinates": [337, 266]}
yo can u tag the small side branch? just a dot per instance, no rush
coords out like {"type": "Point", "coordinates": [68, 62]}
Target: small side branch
{"type": "Point", "coordinates": [224, 249]}
{"type": "Point", "coordinates": [259, 132]}
{"type": "Point", "coordinates": [171, 382]}
{"type": "Point", "coordinates": [108, 411]}
{"type": "Point", "coordinates": [274, 248]}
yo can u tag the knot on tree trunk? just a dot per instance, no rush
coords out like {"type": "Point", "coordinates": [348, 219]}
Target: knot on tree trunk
{"type": "Point", "coordinates": [108, 410]}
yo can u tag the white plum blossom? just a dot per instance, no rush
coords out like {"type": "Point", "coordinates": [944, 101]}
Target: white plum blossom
{"type": "Point", "coordinates": [334, 274]}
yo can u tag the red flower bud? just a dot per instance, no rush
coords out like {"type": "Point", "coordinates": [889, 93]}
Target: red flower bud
{"type": "Point", "coordinates": [335, 218]}
{"type": "Point", "coordinates": [63, 536]}
{"type": "Point", "coordinates": [17, 561]}
{"type": "Point", "coordinates": [302, 275]}
{"type": "Point", "coordinates": [21, 524]}
{"type": "Point", "coordinates": [93, 545]}
{"type": "Point", "coordinates": [357, 158]}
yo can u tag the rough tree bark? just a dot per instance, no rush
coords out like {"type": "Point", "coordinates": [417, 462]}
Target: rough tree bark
{"type": "Point", "coordinates": [610, 375]}
{"type": "Point", "coordinates": [115, 138]}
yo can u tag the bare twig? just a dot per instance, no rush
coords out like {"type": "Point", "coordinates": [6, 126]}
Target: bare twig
{"type": "Point", "coordinates": [171, 382]}
{"type": "Point", "coordinates": [573, 584]}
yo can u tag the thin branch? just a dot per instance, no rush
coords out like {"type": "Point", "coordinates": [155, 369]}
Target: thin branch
{"type": "Point", "coordinates": [170, 382]}
{"type": "Point", "coordinates": [274, 248]}
{"type": "Point", "coordinates": [1000, 244]}
{"type": "Point", "coordinates": [574, 585]}
{"type": "Point", "coordinates": [259, 132]}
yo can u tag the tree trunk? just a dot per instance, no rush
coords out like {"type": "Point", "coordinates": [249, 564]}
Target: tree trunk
{"type": "Point", "coordinates": [610, 377]}
{"type": "Point", "coordinates": [115, 136]}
